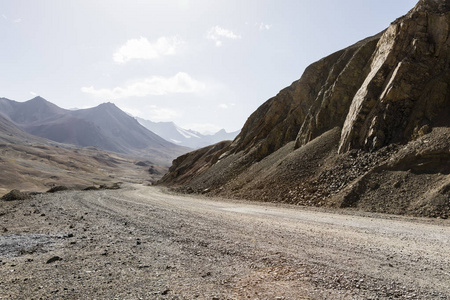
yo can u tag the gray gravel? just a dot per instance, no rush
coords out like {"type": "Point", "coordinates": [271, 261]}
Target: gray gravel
{"type": "Point", "coordinates": [144, 243]}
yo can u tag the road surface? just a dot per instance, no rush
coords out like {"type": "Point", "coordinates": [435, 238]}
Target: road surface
{"type": "Point", "coordinates": [143, 242]}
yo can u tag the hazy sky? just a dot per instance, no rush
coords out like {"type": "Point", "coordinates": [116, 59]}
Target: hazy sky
{"type": "Point", "coordinates": [203, 64]}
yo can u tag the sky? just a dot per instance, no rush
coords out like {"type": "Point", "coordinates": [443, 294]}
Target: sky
{"type": "Point", "coordinates": [203, 64]}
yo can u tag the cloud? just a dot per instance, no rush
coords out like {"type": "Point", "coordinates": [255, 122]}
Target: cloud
{"type": "Point", "coordinates": [226, 106]}
{"type": "Point", "coordinates": [263, 26]}
{"type": "Point", "coordinates": [143, 49]}
{"type": "Point", "coordinates": [18, 20]}
{"type": "Point", "coordinates": [181, 83]}
{"type": "Point", "coordinates": [34, 93]}
{"type": "Point", "coordinates": [217, 34]}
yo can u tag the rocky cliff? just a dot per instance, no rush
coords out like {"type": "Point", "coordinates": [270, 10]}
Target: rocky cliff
{"type": "Point", "coordinates": [367, 126]}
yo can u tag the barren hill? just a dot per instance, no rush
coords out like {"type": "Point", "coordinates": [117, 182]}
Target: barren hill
{"type": "Point", "coordinates": [366, 127]}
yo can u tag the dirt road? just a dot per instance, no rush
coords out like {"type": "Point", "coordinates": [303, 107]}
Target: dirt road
{"type": "Point", "coordinates": [145, 243]}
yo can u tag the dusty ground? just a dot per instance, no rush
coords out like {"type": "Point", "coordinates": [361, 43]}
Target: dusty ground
{"type": "Point", "coordinates": [143, 243]}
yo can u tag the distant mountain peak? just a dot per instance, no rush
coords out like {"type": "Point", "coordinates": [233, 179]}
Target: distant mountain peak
{"type": "Point", "coordinates": [38, 99]}
{"type": "Point", "coordinates": [40, 103]}
{"type": "Point", "coordinates": [109, 108]}
{"type": "Point", "coordinates": [107, 104]}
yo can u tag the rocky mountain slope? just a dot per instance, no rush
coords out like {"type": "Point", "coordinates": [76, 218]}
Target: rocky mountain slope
{"type": "Point", "coordinates": [366, 127]}
{"type": "Point", "coordinates": [105, 127]}
{"type": "Point", "coordinates": [186, 137]}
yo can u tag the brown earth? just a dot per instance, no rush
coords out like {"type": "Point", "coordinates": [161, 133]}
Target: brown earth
{"type": "Point", "coordinates": [143, 243]}
{"type": "Point", "coordinates": [37, 168]}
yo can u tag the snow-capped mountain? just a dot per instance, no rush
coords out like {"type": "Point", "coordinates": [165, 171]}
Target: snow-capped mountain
{"type": "Point", "coordinates": [185, 137]}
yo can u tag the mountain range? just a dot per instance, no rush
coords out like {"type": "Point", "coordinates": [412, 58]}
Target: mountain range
{"type": "Point", "coordinates": [367, 127]}
{"type": "Point", "coordinates": [105, 127]}
{"type": "Point", "coordinates": [186, 137]}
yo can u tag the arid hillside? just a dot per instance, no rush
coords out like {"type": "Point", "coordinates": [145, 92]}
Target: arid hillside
{"type": "Point", "coordinates": [367, 127]}
{"type": "Point", "coordinates": [34, 164]}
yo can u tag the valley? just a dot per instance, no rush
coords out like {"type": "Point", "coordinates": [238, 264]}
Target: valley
{"type": "Point", "coordinates": [337, 187]}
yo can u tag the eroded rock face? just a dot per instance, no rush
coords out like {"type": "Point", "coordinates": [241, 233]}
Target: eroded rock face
{"type": "Point", "coordinates": [407, 89]}
{"type": "Point", "coordinates": [315, 103]}
{"type": "Point", "coordinates": [332, 102]}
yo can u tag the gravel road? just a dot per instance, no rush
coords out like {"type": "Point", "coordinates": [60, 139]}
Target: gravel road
{"type": "Point", "coordinates": [143, 242]}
